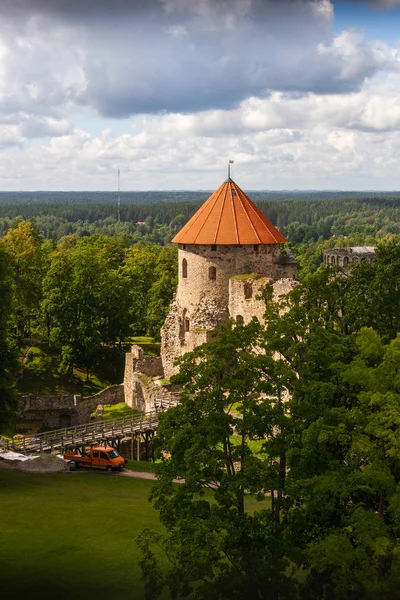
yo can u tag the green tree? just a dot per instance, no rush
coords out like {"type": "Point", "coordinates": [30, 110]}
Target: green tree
{"type": "Point", "coordinates": [85, 300]}
{"type": "Point", "coordinates": [8, 354]}
{"type": "Point", "coordinates": [30, 256]}
{"type": "Point", "coordinates": [217, 548]}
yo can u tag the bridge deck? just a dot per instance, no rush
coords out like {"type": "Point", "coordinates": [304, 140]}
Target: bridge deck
{"type": "Point", "coordinates": [91, 433]}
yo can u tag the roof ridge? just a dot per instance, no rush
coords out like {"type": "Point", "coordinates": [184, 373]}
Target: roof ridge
{"type": "Point", "coordinates": [234, 215]}
{"type": "Point", "coordinates": [212, 204]}
{"type": "Point", "coordinates": [229, 217]}
{"type": "Point", "coordinates": [246, 213]}
{"type": "Point", "coordinates": [256, 211]}
{"type": "Point", "coordinates": [220, 215]}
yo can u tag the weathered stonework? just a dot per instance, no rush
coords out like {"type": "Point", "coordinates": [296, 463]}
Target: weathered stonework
{"type": "Point", "coordinates": [345, 257]}
{"type": "Point", "coordinates": [144, 389]}
{"type": "Point", "coordinates": [66, 410]}
{"type": "Point", "coordinates": [217, 283]}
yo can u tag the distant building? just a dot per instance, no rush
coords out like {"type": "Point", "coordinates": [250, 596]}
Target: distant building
{"type": "Point", "coordinates": [140, 222]}
{"type": "Point", "coordinates": [344, 257]}
{"type": "Point", "coordinates": [228, 252]}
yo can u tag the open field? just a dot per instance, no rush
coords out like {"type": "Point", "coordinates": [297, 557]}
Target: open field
{"type": "Point", "coordinates": [72, 535]}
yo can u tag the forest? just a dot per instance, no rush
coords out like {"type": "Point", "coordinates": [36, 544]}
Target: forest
{"type": "Point", "coordinates": [303, 218]}
{"type": "Point", "coordinates": [303, 502]}
{"type": "Point", "coordinates": [315, 416]}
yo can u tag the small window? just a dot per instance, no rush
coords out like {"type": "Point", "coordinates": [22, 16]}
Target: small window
{"type": "Point", "coordinates": [248, 290]}
{"type": "Point", "coordinates": [104, 456]}
{"type": "Point", "coordinates": [239, 320]}
{"type": "Point", "coordinates": [95, 455]}
{"type": "Point", "coordinates": [212, 273]}
{"type": "Point", "coordinates": [184, 268]}
{"type": "Point", "coordinates": [213, 248]}
{"type": "Point", "coordinates": [184, 247]}
{"type": "Point", "coordinates": [187, 324]}
{"type": "Point", "coordinates": [255, 247]}
{"type": "Point", "coordinates": [345, 261]}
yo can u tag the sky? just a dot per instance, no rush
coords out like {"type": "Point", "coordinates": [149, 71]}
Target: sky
{"type": "Point", "coordinates": [301, 94]}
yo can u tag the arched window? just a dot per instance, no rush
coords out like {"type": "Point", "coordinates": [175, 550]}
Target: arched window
{"type": "Point", "coordinates": [345, 261]}
{"type": "Point", "coordinates": [239, 320]}
{"type": "Point", "coordinates": [184, 268]}
{"type": "Point", "coordinates": [332, 260]}
{"type": "Point", "coordinates": [355, 259]}
{"type": "Point", "coordinates": [248, 290]}
{"type": "Point", "coordinates": [212, 273]}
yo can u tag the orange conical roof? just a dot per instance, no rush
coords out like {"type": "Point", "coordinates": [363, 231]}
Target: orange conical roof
{"type": "Point", "coordinates": [229, 217]}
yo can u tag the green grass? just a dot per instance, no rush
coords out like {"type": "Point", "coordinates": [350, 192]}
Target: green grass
{"type": "Point", "coordinates": [117, 411]}
{"type": "Point", "coordinates": [140, 465]}
{"type": "Point", "coordinates": [72, 535]}
{"type": "Point", "coordinates": [148, 344]}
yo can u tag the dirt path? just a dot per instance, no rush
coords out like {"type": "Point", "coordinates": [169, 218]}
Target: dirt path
{"type": "Point", "coordinates": [144, 475]}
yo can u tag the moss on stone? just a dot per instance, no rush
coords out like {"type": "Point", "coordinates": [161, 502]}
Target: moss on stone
{"type": "Point", "coordinates": [245, 276]}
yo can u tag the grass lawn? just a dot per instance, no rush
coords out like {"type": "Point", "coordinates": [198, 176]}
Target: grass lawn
{"type": "Point", "coordinates": [72, 535]}
{"type": "Point", "coordinates": [117, 411]}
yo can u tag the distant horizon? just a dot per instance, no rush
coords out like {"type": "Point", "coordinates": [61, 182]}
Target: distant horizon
{"type": "Point", "coordinates": [205, 190]}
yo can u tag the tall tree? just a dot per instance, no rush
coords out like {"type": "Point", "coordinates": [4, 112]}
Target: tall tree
{"type": "Point", "coordinates": [8, 354]}
{"type": "Point", "coordinates": [217, 548]}
{"type": "Point", "coordinates": [30, 256]}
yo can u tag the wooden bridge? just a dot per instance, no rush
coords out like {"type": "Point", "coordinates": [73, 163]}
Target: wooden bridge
{"type": "Point", "coordinates": [137, 428]}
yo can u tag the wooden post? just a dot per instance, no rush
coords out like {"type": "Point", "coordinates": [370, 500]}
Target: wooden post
{"type": "Point", "coordinates": [131, 446]}
{"type": "Point", "coordinates": [138, 447]}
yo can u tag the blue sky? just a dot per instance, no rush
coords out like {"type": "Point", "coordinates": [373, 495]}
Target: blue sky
{"type": "Point", "coordinates": [300, 93]}
{"type": "Point", "coordinates": [376, 21]}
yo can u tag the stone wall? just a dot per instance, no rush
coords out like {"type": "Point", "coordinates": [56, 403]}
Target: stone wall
{"type": "Point", "coordinates": [227, 262]}
{"type": "Point", "coordinates": [143, 387]}
{"type": "Point", "coordinates": [66, 410]}
{"type": "Point", "coordinates": [344, 257]}
{"type": "Point", "coordinates": [139, 370]}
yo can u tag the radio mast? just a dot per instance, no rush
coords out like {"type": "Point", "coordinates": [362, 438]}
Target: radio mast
{"type": "Point", "coordinates": [119, 198]}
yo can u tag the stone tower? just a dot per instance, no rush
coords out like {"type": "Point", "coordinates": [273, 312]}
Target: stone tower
{"type": "Point", "coordinates": [227, 253]}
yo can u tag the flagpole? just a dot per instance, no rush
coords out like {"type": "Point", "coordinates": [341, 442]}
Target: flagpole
{"type": "Point", "coordinates": [229, 168]}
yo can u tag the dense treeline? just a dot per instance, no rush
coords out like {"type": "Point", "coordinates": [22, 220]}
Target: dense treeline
{"type": "Point", "coordinates": [155, 197]}
{"type": "Point", "coordinates": [289, 457]}
{"type": "Point", "coordinates": [84, 296]}
{"type": "Point", "coordinates": [300, 220]}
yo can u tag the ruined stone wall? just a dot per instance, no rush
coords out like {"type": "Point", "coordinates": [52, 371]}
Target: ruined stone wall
{"type": "Point", "coordinates": [344, 257]}
{"type": "Point", "coordinates": [139, 369]}
{"type": "Point", "coordinates": [246, 296]}
{"type": "Point", "coordinates": [66, 410]}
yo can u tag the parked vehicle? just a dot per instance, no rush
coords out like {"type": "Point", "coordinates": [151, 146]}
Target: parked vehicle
{"type": "Point", "coordinates": [97, 457]}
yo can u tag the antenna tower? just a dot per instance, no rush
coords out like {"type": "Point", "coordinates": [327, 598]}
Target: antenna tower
{"type": "Point", "coordinates": [119, 198]}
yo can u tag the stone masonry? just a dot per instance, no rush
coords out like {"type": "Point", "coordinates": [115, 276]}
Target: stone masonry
{"type": "Point", "coordinates": [143, 385]}
{"type": "Point", "coordinates": [66, 410]}
{"type": "Point", "coordinates": [217, 283]}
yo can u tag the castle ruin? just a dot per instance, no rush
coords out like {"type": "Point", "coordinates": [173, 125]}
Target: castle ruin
{"type": "Point", "coordinates": [227, 252]}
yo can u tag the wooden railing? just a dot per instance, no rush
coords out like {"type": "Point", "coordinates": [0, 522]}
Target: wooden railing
{"type": "Point", "coordinates": [120, 428]}
{"type": "Point", "coordinates": [90, 433]}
